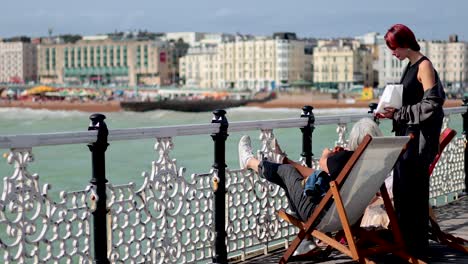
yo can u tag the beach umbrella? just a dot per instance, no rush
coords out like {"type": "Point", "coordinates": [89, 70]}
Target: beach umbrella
{"type": "Point", "coordinates": [84, 93]}
{"type": "Point", "coordinates": [73, 92]}
{"type": "Point", "coordinates": [64, 93]}
{"type": "Point", "coordinates": [41, 89]}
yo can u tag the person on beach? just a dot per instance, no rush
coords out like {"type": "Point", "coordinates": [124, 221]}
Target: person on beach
{"type": "Point", "coordinates": [304, 186]}
{"type": "Point", "coordinates": [421, 114]}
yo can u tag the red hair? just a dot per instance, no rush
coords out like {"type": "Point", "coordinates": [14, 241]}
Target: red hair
{"type": "Point", "coordinates": [400, 36]}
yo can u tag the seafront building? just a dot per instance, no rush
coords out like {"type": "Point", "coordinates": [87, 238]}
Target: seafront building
{"type": "Point", "coordinates": [341, 64]}
{"type": "Point", "coordinates": [191, 38]}
{"type": "Point", "coordinates": [200, 68]}
{"type": "Point", "coordinates": [18, 61]}
{"type": "Point", "coordinates": [390, 68]}
{"type": "Point", "coordinates": [101, 59]}
{"type": "Point", "coordinates": [450, 58]}
{"type": "Point", "coordinates": [196, 38]}
{"type": "Point", "coordinates": [372, 40]}
{"type": "Point", "coordinates": [221, 60]}
{"type": "Point", "coordinates": [249, 62]}
{"type": "Point", "coordinates": [217, 38]}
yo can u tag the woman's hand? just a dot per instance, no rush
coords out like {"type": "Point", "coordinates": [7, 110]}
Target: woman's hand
{"type": "Point", "coordinates": [389, 112]}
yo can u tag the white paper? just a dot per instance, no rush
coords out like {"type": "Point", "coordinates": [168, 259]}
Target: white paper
{"type": "Point", "coordinates": [391, 97]}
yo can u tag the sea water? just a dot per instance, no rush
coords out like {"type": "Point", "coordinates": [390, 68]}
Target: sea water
{"type": "Point", "coordinates": [68, 167]}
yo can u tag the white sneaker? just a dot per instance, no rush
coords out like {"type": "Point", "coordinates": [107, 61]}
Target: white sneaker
{"type": "Point", "coordinates": [245, 151]}
{"type": "Point", "coordinates": [305, 246]}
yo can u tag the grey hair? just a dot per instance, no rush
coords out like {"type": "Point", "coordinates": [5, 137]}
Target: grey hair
{"type": "Point", "coordinates": [363, 127]}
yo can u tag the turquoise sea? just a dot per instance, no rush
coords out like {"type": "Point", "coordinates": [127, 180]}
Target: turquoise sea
{"type": "Point", "coordinates": [68, 167]}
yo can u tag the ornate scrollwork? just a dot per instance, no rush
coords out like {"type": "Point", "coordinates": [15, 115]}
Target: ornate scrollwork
{"type": "Point", "coordinates": [341, 131]}
{"type": "Point", "coordinates": [448, 175]}
{"type": "Point", "coordinates": [167, 220]}
{"type": "Point", "coordinates": [269, 150]}
{"type": "Point", "coordinates": [38, 229]}
{"type": "Point", "coordinates": [445, 122]}
{"type": "Point", "coordinates": [252, 205]}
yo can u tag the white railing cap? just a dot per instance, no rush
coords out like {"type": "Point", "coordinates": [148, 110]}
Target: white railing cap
{"type": "Point", "coordinates": [84, 137]}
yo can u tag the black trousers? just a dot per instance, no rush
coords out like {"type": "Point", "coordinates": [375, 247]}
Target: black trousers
{"type": "Point", "coordinates": [290, 180]}
{"type": "Point", "coordinates": [411, 199]}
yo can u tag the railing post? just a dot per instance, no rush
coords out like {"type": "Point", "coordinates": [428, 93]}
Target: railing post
{"type": "Point", "coordinates": [465, 140]}
{"type": "Point", "coordinates": [99, 180]}
{"type": "Point", "coordinates": [372, 107]}
{"type": "Point", "coordinates": [307, 135]}
{"type": "Point", "coordinates": [220, 251]}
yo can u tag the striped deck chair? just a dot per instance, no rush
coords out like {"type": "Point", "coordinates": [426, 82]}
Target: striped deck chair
{"type": "Point", "coordinates": [435, 232]}
{"type": "Point", "coordinates": [343, 205]}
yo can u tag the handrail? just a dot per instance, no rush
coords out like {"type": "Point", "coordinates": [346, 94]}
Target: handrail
{"type": "Point", "coordinates": [455, 110]}
{"type": "Point", "coordinates": [46, 139]}
{"type": "Point", "coordinates": [63, 138]}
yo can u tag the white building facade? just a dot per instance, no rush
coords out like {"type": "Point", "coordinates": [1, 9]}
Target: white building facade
{"type": "Point", "coordinates": [342, 65]}
{"type": "Point", "coordinates": [18, 62]}
{"type": "Point", "coordinates": [199, 68]}
{"type": "Point", "coordinates": [253, 63]}
{"type": "Point", "coordinates": [390, 68]}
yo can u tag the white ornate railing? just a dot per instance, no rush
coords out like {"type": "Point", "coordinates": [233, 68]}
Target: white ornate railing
{"type": "Point", "coordinates": [170, 217]}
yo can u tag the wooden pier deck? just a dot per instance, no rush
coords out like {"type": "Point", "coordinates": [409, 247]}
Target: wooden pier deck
{"type": "Point", "coordinates": [453, 218]}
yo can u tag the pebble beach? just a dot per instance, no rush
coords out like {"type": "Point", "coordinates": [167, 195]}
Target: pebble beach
{"type": "Point", "coordinates": [318, 101]}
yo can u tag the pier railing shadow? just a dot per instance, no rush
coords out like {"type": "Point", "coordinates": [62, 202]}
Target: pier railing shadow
{"type": "Point", "coordinates": [224, 214]}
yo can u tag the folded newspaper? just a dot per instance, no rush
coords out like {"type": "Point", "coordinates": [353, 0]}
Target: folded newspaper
{"type": "Point", "coordinates": [391, 97]}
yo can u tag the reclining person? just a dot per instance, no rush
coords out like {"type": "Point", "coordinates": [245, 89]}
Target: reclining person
{"type": "Point", "coordinates": [304, 186]}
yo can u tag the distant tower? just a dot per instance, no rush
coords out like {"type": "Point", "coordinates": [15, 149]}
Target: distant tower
{"type": "Point", "coordinates": [50, 30]}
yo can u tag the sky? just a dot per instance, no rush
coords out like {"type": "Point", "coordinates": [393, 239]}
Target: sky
{"type": "Point", "coordinates": [429, 19]}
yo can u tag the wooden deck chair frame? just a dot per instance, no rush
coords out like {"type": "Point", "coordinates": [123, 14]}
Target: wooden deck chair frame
{"type": "Point", "coordinates": [435, 232]}
{"type": "Point", "coordinates": [353, 249]}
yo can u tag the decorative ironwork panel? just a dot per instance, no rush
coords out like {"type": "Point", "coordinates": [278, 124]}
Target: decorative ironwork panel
{"type": "Point", "coordinates": [168, 220]}
{"type": "Point", "coordinates": [252, 203]}
{"type": "Point", "coordinates": [341, 131]}
{"type": "Point", "coordinates": [449, 174]}
{"type": "Point", "coordinates": [445, 122]}
{"type": "Point", "coordinates": [36, 229]}
{"type": "Point", "coordinates": [269, 149]}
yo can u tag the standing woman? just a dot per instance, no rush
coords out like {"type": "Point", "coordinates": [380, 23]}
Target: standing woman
{"type": "Point", "coordinates": [422, 115]}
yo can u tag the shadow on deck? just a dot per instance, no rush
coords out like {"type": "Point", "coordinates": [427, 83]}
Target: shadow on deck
{"type": "Point", "coordinates": [452, 218]}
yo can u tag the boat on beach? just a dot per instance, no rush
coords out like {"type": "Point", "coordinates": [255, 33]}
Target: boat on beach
{"type": "Point", "coordinates": [192, 104]}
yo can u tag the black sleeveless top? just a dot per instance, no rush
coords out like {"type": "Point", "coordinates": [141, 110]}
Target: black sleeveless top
{"type": "Point", "coordinates": [425, 121]}
{"type": "Point", "coordinates": [413, 90]}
